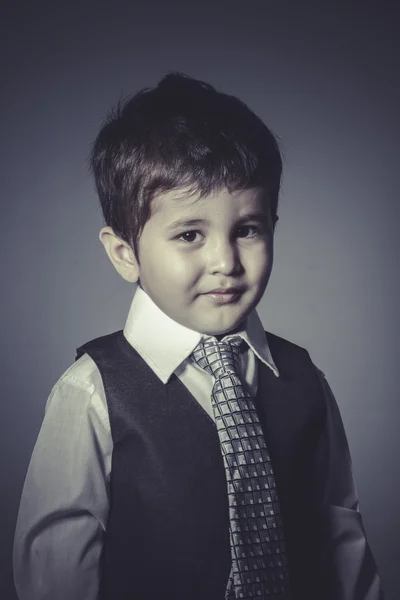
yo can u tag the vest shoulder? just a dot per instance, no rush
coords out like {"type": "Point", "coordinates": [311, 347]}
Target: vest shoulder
{"type": "Point", "coordinates": [99, 343]}
{"type": "Point", "coordinates": [288, 356]}
{"type": "Point", "coordinates": [279, 342]}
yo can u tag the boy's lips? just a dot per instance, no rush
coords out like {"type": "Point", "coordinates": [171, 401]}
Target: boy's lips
{"type": "Point", "coordinates": [229, 290]}
{"type": "Point", "coordinates": [224, 295]}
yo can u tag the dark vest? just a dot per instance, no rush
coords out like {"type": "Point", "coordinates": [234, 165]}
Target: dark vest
{"type": "Point", "coordinates": [167, 531]}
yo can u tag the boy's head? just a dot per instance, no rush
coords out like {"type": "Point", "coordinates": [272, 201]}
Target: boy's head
{"type": "Point", "coordinates": [185, 152]}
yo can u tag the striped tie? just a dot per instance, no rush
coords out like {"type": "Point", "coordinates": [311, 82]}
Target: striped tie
{"type": "Point", "coordinates": [259, 563]}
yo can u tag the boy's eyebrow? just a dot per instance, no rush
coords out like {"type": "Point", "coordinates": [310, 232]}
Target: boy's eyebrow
{"type": "Point", "coordinates": [261, 217]}
{"type": "Point", "coordinates": [186, 223]}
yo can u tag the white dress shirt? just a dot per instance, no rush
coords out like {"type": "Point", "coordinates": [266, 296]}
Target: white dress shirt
{"type": "Point", "coordinates": [65, 499]}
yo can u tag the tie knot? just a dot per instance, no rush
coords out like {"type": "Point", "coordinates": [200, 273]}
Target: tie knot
{"type": "Point", "coordinates": [218, 358]}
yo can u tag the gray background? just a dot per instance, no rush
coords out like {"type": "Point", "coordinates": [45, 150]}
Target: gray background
{"type": "Point", "coordinates": [325, 77]}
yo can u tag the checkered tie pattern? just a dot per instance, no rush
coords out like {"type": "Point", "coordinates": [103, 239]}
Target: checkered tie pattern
{"type": "Point", "coordinates": [259, 564]}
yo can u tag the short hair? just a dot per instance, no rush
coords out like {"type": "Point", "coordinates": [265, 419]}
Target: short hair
{"type": "Point", "coordinates": [181, 133]}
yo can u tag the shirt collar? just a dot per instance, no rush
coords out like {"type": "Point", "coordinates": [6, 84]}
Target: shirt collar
{"type": "Point", "coordinates": [165, 344]}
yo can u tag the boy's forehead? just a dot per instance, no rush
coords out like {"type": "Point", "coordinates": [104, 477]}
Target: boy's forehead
{"type": "Point", "coordinates": [185, 200]}
{"type": "Point", "coordinates": [180, 197]}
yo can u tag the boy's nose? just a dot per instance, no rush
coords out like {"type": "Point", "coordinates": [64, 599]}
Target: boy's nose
{"type": "Point", "coordinates": [223, 258]}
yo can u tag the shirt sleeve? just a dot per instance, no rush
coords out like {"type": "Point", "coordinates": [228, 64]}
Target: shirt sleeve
{"type": "Point", "coordinates": [64, 504]}
{"type": "Point", "coordinates": [347, 563]}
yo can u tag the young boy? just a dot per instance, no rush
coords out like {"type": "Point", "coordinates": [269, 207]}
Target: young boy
{"type": "Point", "coordinates": [192, 455]}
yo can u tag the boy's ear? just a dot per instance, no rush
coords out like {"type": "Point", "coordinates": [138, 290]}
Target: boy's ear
{"type": "Point", "coordinates": [120, 254]}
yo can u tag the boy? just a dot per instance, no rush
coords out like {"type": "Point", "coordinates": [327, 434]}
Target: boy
{"type": "Point", "coordinates": [193, 455]}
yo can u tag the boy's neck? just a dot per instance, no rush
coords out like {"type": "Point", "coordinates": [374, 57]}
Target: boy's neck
{"type": "Point", "coordinates": [232, 332]}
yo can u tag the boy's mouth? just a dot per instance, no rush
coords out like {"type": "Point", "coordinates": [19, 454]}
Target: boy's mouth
{"type": "Point", "coordinates": [223, 296]}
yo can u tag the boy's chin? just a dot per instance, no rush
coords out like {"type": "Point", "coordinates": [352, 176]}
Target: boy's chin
{"type": "Point", "coordinates": [220, 332]}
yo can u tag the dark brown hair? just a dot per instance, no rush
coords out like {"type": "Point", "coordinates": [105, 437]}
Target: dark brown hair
{"type": "Point", "coordinates": [181, 133]}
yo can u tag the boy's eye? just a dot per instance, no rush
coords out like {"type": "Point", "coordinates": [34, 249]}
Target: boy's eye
{"type": "Point", "coordinates": [245, 230]}
{"type": "Point", "coordinates": [189, 236]}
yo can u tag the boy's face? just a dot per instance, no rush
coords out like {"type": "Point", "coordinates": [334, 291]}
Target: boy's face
{"type": "Point", "coordinates": [228, 243]}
